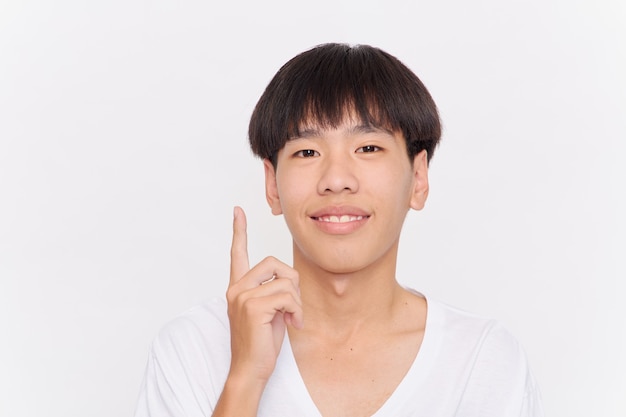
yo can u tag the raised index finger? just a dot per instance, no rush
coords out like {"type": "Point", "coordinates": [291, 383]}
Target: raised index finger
{"type": "Point", "coordinates": [239, 264]}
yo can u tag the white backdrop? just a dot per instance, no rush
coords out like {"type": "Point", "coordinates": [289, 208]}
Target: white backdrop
{"type": "Point", "coordinates": [123, 150]}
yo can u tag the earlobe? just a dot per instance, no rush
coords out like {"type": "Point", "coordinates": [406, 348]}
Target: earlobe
{"type": "Point", "coordinates": [271, 188]}
{"type": "Point", "coordinates": [420, 180]}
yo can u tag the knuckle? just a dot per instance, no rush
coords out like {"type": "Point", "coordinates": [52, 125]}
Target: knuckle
{"type": "Point", "coordinates": [230, 295]}
{"type": "Point", "coordinates": [233, 296]}
{"type": "Point", "coordinates": [286, 285]}
{"type": "Point", "coordinates": [250, 305]}
{"type": "Point", "coordinates": [269, 260]}
{"type": "Point", "coordinates": [287, 298]}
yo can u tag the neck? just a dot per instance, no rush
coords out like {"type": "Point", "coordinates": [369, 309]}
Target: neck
{"type": "Point", "coordinates": [348, 302]}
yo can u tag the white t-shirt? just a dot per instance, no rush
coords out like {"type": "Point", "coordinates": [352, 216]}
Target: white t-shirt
{"type": "Point", "coordinates": [467, 366]}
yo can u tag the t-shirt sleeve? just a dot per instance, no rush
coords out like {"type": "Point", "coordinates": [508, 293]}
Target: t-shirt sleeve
{"type": "Point", "coordinates": [186, 368]}
{"type": "Point", "coordinates": [532, 405]}
{"type": "Point", "coordinates": [501, 383]}
{"type": "Point", "coordinates": [160, 394]}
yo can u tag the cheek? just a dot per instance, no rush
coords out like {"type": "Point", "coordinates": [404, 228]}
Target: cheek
{"type": "Point", "coordinates": [291, 192]}
{"type": "Point", "coordinates": [396, 186]}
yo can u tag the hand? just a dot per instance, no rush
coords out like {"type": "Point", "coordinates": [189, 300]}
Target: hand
{"type": "Point", "coordinates": [259, 308]}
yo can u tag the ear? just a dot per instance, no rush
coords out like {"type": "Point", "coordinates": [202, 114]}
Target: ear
{"type": "Point", "coordinates": [420, 180]}
{"type": "Point", "coordinates": [271, 188]}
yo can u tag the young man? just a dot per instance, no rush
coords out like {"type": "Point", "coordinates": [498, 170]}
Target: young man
{"type": "Point", "coordinates": [345, 134]}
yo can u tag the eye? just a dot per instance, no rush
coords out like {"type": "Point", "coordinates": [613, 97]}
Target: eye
{"type": "Point", "coordinates": [306, 153]}
{"type": "Point", "coordinates": [368, 149]}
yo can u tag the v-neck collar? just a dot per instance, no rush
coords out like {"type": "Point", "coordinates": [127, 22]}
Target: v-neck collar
{"type": "Point", "coordinates": [406, 390]}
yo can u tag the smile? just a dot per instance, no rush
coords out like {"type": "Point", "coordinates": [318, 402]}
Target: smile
{"type": "Point", "coordinates": [339, 219]}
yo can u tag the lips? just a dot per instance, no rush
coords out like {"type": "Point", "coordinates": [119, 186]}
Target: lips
{"type": "Point", "coordinates": [339, 214]}
{"type": "Point", "coordinates": [340, 219]}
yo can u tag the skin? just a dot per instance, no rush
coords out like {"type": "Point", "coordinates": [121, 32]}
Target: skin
{"type": "Point", "coordinates": [344, 194]}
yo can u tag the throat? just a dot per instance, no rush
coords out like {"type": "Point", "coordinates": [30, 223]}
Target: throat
{"type": "Point", "coordinates": [348, 304]}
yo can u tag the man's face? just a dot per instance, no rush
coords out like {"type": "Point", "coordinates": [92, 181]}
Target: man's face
{"type": "Point", "coordinates": [345, 193]}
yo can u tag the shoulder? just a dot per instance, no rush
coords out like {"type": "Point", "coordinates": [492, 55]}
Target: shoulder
{"type": "Point", "coordinates": [483, 339]}
{"type": "Point", "coordinates": [194, 330]}
{"type": "Point", "coordinates": [462, 326]}
{"type": "Point", "coordinates": [210, 314]}
{"type": "Point", "coordinates": [497, 376]}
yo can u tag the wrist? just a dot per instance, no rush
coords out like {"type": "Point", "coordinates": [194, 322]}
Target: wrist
{"type": "Point", "coordinates": [241, 396]}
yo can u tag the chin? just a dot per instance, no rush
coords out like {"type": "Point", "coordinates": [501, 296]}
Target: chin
{"type": "Point", "coordinates": [338, 265]}
{"type": "Point", "coordinates": [342, 259]}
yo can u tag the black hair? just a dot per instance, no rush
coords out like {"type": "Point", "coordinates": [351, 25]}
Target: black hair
{"type": "Point", "coordinates": [328, 82]}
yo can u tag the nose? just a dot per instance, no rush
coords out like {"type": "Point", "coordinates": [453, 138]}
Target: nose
{"type": "Point", "coordinates": [338, 175]}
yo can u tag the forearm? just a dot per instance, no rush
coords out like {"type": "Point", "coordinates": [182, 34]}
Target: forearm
{"type": "Point", "coordinates": [240, 398]}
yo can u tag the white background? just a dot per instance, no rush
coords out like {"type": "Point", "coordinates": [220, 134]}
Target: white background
{"type": "Point", "coordinates": [123, 150]}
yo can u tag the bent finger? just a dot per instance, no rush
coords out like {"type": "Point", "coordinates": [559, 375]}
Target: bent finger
{"type": "Point", "coordinates": [268, 270]}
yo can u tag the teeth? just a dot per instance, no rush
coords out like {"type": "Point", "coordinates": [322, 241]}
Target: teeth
{"type": "Point", "coordinates": [337, 219]}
